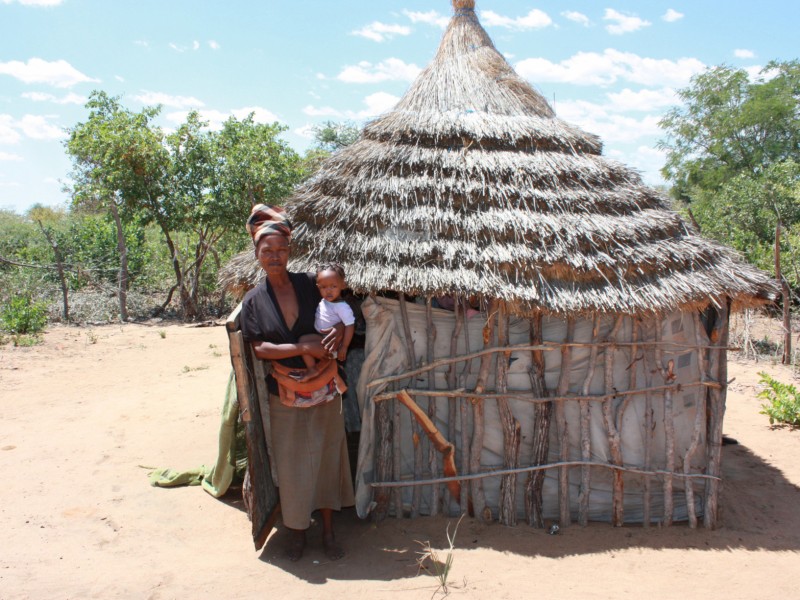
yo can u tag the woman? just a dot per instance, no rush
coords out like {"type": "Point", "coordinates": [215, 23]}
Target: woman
{"type": "Point", "coordinates": [308, 439]}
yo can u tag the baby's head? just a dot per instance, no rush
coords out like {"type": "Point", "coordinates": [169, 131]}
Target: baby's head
{"type": "Point", "coordinates": [330, 281]}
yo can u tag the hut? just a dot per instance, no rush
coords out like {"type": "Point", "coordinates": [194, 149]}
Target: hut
{"type": "Point", "coordinates": [546, 338]}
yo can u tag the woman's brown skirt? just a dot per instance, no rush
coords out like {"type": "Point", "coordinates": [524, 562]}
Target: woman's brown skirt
{"type": "Point", "coordinates": [310, 456]}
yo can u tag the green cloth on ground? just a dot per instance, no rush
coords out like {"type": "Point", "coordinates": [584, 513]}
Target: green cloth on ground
{"type": "Point", "coordinates": [231, 455]}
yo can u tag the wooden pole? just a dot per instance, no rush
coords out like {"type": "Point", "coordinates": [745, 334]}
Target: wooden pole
{"type": "Point", "coordinates": [466, 425]}
{"type": "Point", "coordinates": [614, 440]}
{"type": "Point", "coordinates": [479, 425]}
{"type": "Point", "coordinates": [511, 427]}
{"type": "Point", "coordinates": [452, 403]}
{"type": "Point", "coordinates": [786, 359]}
{"type": "Point", "coordinates": [699, 423]}
{"type": "Point", "coordinates": [562, 425]}
{"type": "Point", "coordinates": [586, 440]}
{"type": "Point", "coordinates": [649, 429]}
{"type": "Point", "coordinates": [719, 366]}
{"type": "Point", "coordinates": [416, 438]}
{"type": "Point", "coordinates": [383, 459]}
{"type": "Point", "coordinates": [542, 414]}
{"type": "Point", "coordinates": [669, 427]}
{"type": "Point", "coordinates": [433, 457]}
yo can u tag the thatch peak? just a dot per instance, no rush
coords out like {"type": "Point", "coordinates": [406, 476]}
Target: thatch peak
{"type": "Point", "coordinates": [464, 4]}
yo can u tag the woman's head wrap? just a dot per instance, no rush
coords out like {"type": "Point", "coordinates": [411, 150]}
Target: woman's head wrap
{"type": "Point", "coordinates": [268, 220]}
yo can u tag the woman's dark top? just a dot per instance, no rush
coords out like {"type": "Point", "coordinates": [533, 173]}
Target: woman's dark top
{"type": "Point", "coordinates": [262, 319]}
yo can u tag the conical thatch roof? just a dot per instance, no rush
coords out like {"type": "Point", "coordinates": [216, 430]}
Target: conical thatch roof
{"type": "Point", "coordinates": [472, 185]}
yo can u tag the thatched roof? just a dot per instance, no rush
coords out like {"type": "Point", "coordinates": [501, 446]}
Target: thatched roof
{"type": "Point", "coordinates": [472, 185]}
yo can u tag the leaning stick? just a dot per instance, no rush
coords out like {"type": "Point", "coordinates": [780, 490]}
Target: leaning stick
{"type": "Point", "coordinates": [669, 428]}
{"type": "Point", "coordinates": [438, 441]}
{"type": "Point", "coordinates": [511, 428]}
{"type": "Point", "coordinates": [649, 428]}
{"type": "Point", "coordinates": [542, 416]}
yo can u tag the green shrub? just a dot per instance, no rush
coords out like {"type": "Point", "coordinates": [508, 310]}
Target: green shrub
{"type": "Point", "coordinates": [783, 401]}
{"type": "Point", "coordinates": [23, 315]}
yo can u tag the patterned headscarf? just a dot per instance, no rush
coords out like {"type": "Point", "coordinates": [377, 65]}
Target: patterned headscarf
{"type": "Point", "coordinates": [268, 220]}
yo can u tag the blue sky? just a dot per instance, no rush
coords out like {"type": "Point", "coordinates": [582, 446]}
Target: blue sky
{"type": "Point", "coordinates": [612, 67]}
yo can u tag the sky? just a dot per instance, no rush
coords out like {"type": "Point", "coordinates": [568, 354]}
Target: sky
{"type": "Point", "coordinates": [612, 67]}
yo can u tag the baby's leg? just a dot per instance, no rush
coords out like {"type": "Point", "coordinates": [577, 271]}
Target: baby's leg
{"type": "Point", "coordinates": [310, 361]}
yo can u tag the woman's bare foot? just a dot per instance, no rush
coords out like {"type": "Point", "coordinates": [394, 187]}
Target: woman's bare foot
{"type": "Point", "coordinates": [332, 550]}
{"type": "Point", "coordinates": [296, 544]}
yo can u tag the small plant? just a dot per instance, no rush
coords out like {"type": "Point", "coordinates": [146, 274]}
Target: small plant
{"type": "Point", "coordinates": [22, 315]}
{"type": "Point", "coordinates": [162, 333]}
{"type": "Point", "coordinates": [783, 401]}
{"type": "Point", "coordinates": [438, 569]}
{"type": "Point", "coordinates": [188, 369]}
{"type": "Point", "coordinates": [91, 336]}
{"type": "Point", "coordinates": [24, 340]}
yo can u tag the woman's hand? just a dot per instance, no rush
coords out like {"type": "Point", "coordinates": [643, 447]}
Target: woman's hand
{"type": "Point", "coordinates": [333, 339]}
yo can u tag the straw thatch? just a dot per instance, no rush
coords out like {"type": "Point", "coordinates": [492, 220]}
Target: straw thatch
{"type": "Point", "coordinates": [472, 185]}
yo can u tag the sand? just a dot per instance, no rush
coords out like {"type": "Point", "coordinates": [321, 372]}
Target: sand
{"type": "Point", "coordinates": [84, 415]}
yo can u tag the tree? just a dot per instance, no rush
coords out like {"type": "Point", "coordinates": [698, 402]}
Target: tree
{"type": "Point", "coordinates": [332, 136]}
{"type": "Point", "coordinates": [729, 126]}
{"type": "Point", "coordinates": [119, 163]}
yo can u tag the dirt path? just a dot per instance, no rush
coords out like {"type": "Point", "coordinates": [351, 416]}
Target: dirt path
{"type": "Point", "coordinates": [82, 415]}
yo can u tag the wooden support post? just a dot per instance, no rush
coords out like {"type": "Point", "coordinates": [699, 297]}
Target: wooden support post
{"type": "Point", "coordinates": [718, 365]}
{"type": "Point", "coordinates": [563, 434]}
{"type": "Point", "coordinates": [479, 425]}
{"type": "Point", "coordinates": [699, 422]}
{"type": "Point", "coordinates": [396, 439]}
{"type": "Point", "coordinates": [669, 426]}
{"type": "Point", "coordinates": [452, 403]}
{"type": "Point", "coordinates": [383, 459]}
{"type": "Point", "coordinates": [649, 429]}
{"type": "Point", "coordinates": [416, 438]}
{"type": "Point", "coordinates": [466, 429]}
{"type": "Point", "coordinates": [614, 440]}
{"type": "Point", "coordinates": [433, 457]}
{"type": "Point", "coordinates": [586, 439]}
{"type": "Point", "coordinates": [511, 427]}
{"type": "Point", "coordinates": [542, 414]}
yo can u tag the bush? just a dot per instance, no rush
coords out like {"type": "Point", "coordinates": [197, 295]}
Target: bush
{"type": "Point", "coordinates": [783, 401]}
{"type": "Point", "coordinates": [22, 315]}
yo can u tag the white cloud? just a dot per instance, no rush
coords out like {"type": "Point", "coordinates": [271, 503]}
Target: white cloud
{"type": "Point", "coordinates": [9, 157]}
{"type": "Point", "coordinates": [743, 53]}
{"type": "Point", "coordinates": [643, 100]}
{"type": "Point", "coordinates": [591, 68]}
{"type": "Point", "coordinates": [611, 127]}
{"type": "Point", "coordinates": [142, 43]}
{"type": "Point", "coordinates": [58, 73]}
{"type": "Point", "coordinates": [177, 48]}
{"type": "Point", "coordinates": [71, 98]}
{"type": "Point", "coordinates": [8, 133]}
{"type": "Point", "coordinates": [195, 45]}
{"type": "Point", "coordinates": [38, 127]}
{"type": "Point", "coordinates": [307, 131]}
{"type": "Point", "coordinates": [119, 78]}
{"type": "Point", "coordinates": [379, 32]}
{"type": "Point", "coordinates": [536, 19]}
{"type": "Point", "coordinates": [375, 104]}
{"type": "Point", "coordinates": [35, 2]}
{"type": "Point", "coordinates": [430, 17]}
{"type": "Point", "coordinates": [672, 15]}
{"type": "Point", "coordinates": [622, 23]}
{"type": "Point", "coordinates": [577, 17]}
{"type": "Point", "coordinates": [378, 103]}
{"type": "Point", "coordinates": [213, 44]}
{"type": "Point", "coordinates": [168, 100]}
{"type": "Point", "coordinates": [323, 111]}
{"type": "Point", "coordinates": [35, 127]}
{"type": "Point", "coordinates": [216, 118]}
{"type": "Point", "coordinates": [392, 69]}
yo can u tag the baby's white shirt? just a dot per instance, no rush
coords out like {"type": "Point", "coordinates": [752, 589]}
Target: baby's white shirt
{"type": "Point", "coordinates": [331, 313]}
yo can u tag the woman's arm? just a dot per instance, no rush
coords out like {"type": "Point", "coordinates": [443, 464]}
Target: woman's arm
{"type": "Point", "coordinates": [269, 351]}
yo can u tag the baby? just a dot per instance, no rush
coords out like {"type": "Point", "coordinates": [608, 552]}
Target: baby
{"type": "Point", "coordinates": [331, 310]}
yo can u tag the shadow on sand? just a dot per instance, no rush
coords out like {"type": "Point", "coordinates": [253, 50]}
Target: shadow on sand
{"type": "Point", "coordinates": [758, 513]}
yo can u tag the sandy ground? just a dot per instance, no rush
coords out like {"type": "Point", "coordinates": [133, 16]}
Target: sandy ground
{"type": "Point", "coordinates": [84, 414]}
